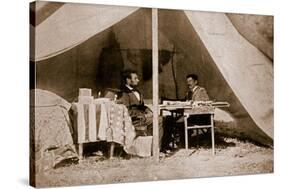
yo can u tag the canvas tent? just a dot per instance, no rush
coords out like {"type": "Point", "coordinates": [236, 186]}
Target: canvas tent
{"type": "Point", "coordinates": [80, 45]}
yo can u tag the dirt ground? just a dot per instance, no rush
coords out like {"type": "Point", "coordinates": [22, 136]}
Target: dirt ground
{"type": "Point", "coordinates": [233, 157]}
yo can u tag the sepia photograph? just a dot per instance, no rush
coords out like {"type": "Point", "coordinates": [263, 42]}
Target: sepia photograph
{"type": "Point", "coordinates": [124, 94]}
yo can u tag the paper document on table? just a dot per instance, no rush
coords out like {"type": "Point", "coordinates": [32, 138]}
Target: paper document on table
{"type": "Point", "coordinates": [175, 104]}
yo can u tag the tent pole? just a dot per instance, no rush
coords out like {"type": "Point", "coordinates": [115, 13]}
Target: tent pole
{"type": "Point", "coordinates": [155, 83]}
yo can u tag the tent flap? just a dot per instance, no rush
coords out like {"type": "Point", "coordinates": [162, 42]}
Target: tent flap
{"type": "Point", "coordinates": [248, 71]}
{"type": "Point", "coordinates": [73, 24]}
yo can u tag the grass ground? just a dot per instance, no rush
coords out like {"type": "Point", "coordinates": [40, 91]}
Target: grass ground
{"type": "Point", "coordinates": [233, 157]}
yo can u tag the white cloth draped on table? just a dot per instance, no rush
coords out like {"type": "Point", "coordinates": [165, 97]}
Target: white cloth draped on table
{"type": "Point", "coordinates": [108, 121]}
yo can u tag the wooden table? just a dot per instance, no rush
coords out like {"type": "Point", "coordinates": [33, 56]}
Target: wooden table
{"type": "Point", "coordinates": [198, 110]}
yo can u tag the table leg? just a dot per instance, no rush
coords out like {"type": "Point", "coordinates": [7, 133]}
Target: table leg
{"type": "Point", "coordinates": [213, 134]}
{"type": "Point", "coordinates": [111, 150]}
{"type": "Point", "coordinates": [173, 129]}
{"type": "Point", "coordinates": [80, 150]}
{"type": "Point", "coordinates": [197, 138]}
{"type": "Point", "coordinates": [186, 132]}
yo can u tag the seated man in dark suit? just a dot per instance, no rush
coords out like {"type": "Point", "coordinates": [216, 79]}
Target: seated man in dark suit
{"type": "Point", "coordinates": [142, 116]}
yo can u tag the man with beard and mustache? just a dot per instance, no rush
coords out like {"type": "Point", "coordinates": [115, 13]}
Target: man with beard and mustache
{"type": "Point", "coordinates": [132, 98]}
